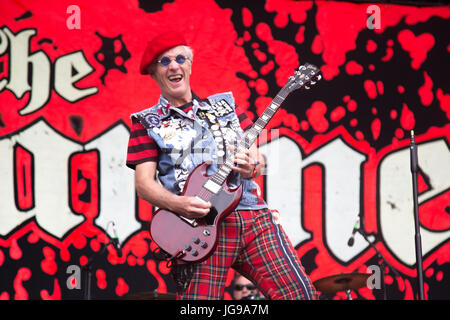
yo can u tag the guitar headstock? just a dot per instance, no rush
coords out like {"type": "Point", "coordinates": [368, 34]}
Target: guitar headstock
{"type": "Point", "coordinates": [305, 76]}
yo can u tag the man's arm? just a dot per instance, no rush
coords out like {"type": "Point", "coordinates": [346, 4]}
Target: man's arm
{"type": "Point", "coordinates": [149, 189]}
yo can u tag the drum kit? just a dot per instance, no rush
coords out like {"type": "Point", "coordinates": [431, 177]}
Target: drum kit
{"type": "Point", "coordinates": [342, 282]}
{"type": "Point", "coordinates": [332, 284]}
{"type": "Point", "coordinates": [151, 295]}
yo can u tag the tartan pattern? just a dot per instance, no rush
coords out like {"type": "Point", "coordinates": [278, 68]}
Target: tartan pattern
{"type": "Point", "coordinates": [257, 247]}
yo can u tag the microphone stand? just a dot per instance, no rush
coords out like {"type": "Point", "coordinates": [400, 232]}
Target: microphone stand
{"type": "Point", "coordinates": [418, 242]}
{"type": "Point", "coordinates": [87, 267]}
{"type": "Point", "coordinates": [383, 263]}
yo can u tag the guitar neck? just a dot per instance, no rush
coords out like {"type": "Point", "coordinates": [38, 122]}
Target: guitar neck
{"type": "Point", "coordinates": [306, 75]}
{"type": "Point", "coordinates": [250, 136]}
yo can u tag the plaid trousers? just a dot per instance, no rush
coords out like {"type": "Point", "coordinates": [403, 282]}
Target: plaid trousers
{"type": "Point", "coordinates": [254, 244]}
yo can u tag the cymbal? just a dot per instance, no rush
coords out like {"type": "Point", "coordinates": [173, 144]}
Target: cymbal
{"type": "Point", "coordinates": [153, 295]}
{"type": "Point", "coordinates": [342, 282]}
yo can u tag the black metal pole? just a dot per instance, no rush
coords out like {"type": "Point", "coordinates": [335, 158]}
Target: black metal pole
{"type": "Point", "coordinates": [383, 262]}
{"type": "Point", "coordinates": [418, 241]}
{"type": "Point", "coordinates": [88, 269]}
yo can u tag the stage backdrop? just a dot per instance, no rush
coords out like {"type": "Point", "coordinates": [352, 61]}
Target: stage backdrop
{"type": "Point", "coordinates": [69, 81]}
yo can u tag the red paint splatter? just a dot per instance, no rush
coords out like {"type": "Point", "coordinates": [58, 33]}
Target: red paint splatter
{"type": "Point", "coordinates": [101, 279]}
{"type": "Point", "coordinates": [281, 20]}
{"type": "Point", "coordinates": [261, 87]}
{"type": "Point", "coordinates": [95, 245]}
{"type": "Point", "coordinates": [401, 89]}
{"type": "Point", "coordinates": [2, 257]}
{"type": "Point", "coordinates": [83, 260]}
{"type": "Point", "coordinates": [139, 246]}
{"type": "Point", "coordinates": [359, 135]}
{"type": "Point", "coordinates": [316, 118]}
{"type": "Point", "coordinates": [432, 213]}
{"type": "Point", "coordinates": [14, 250]}
{"type": "Point", "coordinates": [399, 133]}
{"type": "Point", "coordinates": [247, 17]}
{"type": "Point", "coordinates": [425, 92]}
{"type": "Point", "coordinates": [417, 47]}
{"type": "Point", "coordinates": [79, 241]}
{"type": "Point", "coordinates": [261, 56]}
{"type": "Point", "coordinates": [151, 267]}
{"type": "Point", "coordinates": [353, 68]}
{"type": "Point", "coordinates": [300, 36]}
{"type": "Point", "coordinates": [352, 105]}
{"type": "Point", "coordinates": [354, 122]}
{"type": "Point", "coordinates": [48, 265]}
{"type": "Point", "coordinates": [122, 287]}
{"type": "Point", "coordinates": [304, 125]}
{"type": "Point", "coordinates": [64, 254]}
{"type": "Point", "coordinates": [393, 114]}
{"type": "Point", "coordinates": [131, 260]}
{"type": "Point", "coordinates": [23, 274]}
{"type": "Point", "coordinates": [370, 88]}
{"type": "Point", "coordinates": [380, 87]}
{"type": "Point", "coordinates": [284, 54]}
{"type": "Point", "coordinates": [337, 114]}
{"type": "Point", "coordinates": [444, 102]}
{"type": "Point", "coordinates": [33, 237]}
{"type": "Point", "coordinates": [375, 127]}
{"type": "Point", "coordinates": [162, 267]}
{"type": "Point", "coordinates": [267, 68]}
{"type": "Point", "coordinates": [45, 295]}
{"type": "Point", "coordinates": [296, 10]}
{"type": "Point", "coordinates": [409, 295]}
{"type": "Point", "coordinates": [4, 296]}
{"type": "Point", "coordinates": [371, 46]}
{"type": "Point", "coordinates": [422, 186]}
{"type": "Point", "coordinates": [407, 120]}
{"type": "Point", "coordinates": [388, 55]}
{"type": "Point", "coordinates": [317, 45]}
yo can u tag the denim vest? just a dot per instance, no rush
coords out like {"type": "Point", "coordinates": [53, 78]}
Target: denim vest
{"type": "Point", "coordinates": [187, 140]}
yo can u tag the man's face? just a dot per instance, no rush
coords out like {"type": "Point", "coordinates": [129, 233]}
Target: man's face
{"type": "Point", "coordinates": [173, 80]}
{"type": "Point", "coordinates": [243, 288]}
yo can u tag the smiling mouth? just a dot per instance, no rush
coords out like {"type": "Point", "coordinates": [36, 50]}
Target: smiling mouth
{"type": "Point", "coordinates": [175, 78]}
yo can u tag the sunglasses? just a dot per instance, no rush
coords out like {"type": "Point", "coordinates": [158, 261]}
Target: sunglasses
{"type": "Point", "coordinates": [165, 61]}
{"type": "Point", "coordinates": [239, 287]}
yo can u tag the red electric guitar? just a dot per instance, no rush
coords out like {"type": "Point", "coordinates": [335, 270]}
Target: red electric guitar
{"type": "Point", "coordinates": [194, 240]}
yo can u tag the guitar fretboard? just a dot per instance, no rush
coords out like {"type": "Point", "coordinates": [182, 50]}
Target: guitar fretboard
{"type": "Point", "coordinates": [250, 136]}
{"type": "Point", "coordinates": [304, 76]}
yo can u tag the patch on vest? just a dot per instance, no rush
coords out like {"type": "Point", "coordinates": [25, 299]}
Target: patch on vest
{"type": "Point", "coordinates": [219, 109]}
{"type": "Point", "coordinates": [150, 120]}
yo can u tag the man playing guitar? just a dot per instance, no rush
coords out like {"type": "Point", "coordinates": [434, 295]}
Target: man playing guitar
{"type": "Point", "coordinates": [168, 142]}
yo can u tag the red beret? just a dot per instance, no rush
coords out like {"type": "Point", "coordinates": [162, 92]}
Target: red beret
{"type": "Point", "coordinates": [158, 45]}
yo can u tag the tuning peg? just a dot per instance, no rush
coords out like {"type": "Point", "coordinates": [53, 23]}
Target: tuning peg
{"type": "Point", "coordinates": [306, 87]}
{"type": "Point", "coordinates": [319, 77]}
{"type": "Point", "coordinates": [313, 82]}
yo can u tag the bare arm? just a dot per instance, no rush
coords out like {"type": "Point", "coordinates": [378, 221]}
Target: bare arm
{"type": "Point", "coordinates": [149, 189]}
